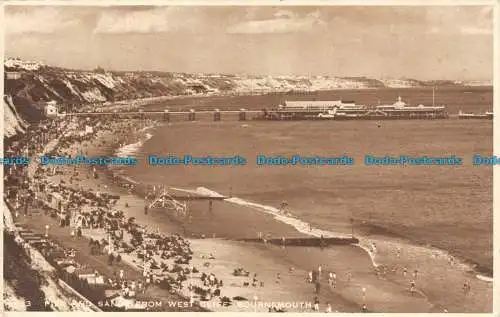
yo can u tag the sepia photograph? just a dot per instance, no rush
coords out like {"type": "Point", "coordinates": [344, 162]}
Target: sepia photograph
{"type": "Point", "coordinates": [261, 158]}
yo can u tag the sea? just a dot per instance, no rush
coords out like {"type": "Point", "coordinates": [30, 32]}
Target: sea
{"type": "Point", "coordinates": [444, 207]}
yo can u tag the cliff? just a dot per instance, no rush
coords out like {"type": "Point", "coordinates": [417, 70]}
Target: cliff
{"type": "Point", "coordinates": [29, 84]}
{"type": "Point", "coordinates": [13, 123]}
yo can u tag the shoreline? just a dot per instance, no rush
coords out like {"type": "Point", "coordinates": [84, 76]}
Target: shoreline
{"type": "Point", "coordinates": [366, 276]}
{"type": "Point", "coordinates": [366, 244]}
{"type": "Point", "coordinates": [201, 246]}
{"type": "Point", "coordinates": [481, 272]}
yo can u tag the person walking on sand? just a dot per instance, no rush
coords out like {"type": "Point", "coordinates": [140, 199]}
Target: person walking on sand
{"type": "Point", "coordinates": [319, 271]}
{"type": "Point", "coordinates": [316, 303]}
{"type": "Point", "coordinates": [317, 287]}
{"type": "Point", "coordinates": [412, 287]}
{"type": "Point", "coordinates": [466, 287]}
{"type": "Point", "coordinates": [310, 277]}
{"type": "Point", "coordinates": [328, 308]}
{"type": "Point", "coordinates": [330, 278]}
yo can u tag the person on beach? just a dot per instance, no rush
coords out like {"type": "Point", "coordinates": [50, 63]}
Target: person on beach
{"type": "Point", "coordinates": [412, 287]}
{"type": "Point", "coordinates": [254, 280]}
{"type": "Point", "coordinates": [328, 308]}
{"type": "Point", "coordinates": [364, 309]}
{"type": "Point", "coordinates": [316, 303]}
{"type": "Point", "coordinates": [146, 210]}
{"type": "Point", "coordinates": [405, 271]}
{"type": "Point", "coordinates": [310, 277]}
{"type": "Point", "coordinates": [278, 278]}
{"type": "Point", "coordinates": [317, 287]}
{"type": "Point", "coordinates": [319, 271]}
{"type": "Point", "coordinates": [466, 287]}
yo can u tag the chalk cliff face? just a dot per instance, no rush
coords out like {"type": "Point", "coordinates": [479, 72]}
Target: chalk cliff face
{"type": "Point", "coordinates": [29, 84]}
{"type": "Point", "coordinates": [48, 83]}
{"type": "Point", "coordinates": [13, 123]}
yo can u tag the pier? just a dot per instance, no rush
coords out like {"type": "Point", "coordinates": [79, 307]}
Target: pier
{"type": "Point", "coordinates": [305, 242]}
{"type": "Point", "coordinates": [167, 115]}
{"type": "Point", "coordinates": [284, 114]}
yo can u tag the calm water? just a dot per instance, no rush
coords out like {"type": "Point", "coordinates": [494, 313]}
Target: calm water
{"type": "Point", "coordinates": [444, 206]}
{"type": "Point", "coordinates": [474, 99]}
{"type": "Point", "coordinates": [448, 207]}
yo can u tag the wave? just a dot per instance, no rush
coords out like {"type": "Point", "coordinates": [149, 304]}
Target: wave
{"type": "Point", "coordinates": [484, 278]}
{"type": "Point", "coordinates": [133, 148]}
{"type": "Point", "coordinates": [298, 224]}
{"type": "Point", "coordinates": [304, 227]}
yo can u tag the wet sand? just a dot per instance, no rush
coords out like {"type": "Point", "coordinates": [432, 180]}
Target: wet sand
{"type": "Point", "coordinates": [439, 283]}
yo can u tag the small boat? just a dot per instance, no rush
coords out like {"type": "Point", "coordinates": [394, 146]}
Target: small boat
{"type": "Point", "coordinates": [486, 115]}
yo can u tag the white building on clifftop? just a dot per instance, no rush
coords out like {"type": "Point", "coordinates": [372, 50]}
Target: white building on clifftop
{"type": "Point", "coordinates": [18, 64]}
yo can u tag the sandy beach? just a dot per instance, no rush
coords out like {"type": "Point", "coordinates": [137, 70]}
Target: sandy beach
{"type": "Point", "coordinates": [246, 158]}
{"type": "Point", "coordinates": [384, 292]}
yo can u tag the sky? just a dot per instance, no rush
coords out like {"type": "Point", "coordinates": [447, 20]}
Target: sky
{"type": "Point", "coordinates": [422, 42]}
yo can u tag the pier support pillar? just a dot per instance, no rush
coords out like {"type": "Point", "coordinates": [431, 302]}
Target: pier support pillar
{"type": "Point", "coordinates": [243, 115]}
{"type": "Point", "coordinates": [166, 115]}
{"type": "Point", "coordinates": [217, 115]}
{"type": "Point", "coordinates": [192, 115]}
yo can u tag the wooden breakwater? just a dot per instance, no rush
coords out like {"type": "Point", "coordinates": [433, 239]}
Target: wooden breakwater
{"type": "Point", "coordinates": [305, 242]}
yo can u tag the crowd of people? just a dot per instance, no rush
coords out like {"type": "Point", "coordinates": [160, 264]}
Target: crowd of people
{"type": "Point", "coordinates": [164, 259]}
